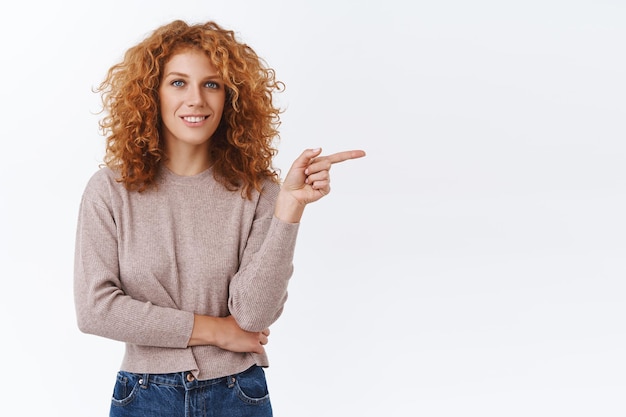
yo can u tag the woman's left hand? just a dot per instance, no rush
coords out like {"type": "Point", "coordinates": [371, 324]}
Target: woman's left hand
{"type": "Point", "coordinates": [307, 181]}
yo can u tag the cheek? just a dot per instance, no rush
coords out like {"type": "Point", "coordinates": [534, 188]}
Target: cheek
{"type": "Point", "coordinates": [164, 105]}
{"type": "Point", "coordinates": [219, 104]}
{"type": "Point", "coordinates": [223, 103]}
{"type": "Point", "coordinates": [167, 114]}
{"type": "Point", "coordinates": [167, 102]}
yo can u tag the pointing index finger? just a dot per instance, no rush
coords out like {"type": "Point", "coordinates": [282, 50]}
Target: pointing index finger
{"type": "Point", "coordinates": [345, 155]}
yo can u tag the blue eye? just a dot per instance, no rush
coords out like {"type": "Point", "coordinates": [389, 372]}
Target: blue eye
{"type": "Point", "coordinates": [178, 83]}
{"type": "Point", "coordinates": [212, 84]}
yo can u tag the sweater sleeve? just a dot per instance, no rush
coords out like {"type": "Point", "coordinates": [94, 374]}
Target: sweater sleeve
{"type": "Point", "coordinates": [258, 292]}
{"type": "Point", "coordinates": [102, 307]}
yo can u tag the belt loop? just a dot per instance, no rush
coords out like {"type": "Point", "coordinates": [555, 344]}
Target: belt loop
{"type": "Point", "coordinates": [144, 380]}
{"type": "Point", "coordinates": [230, 380]}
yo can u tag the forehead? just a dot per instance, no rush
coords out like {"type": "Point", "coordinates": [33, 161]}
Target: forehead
{"type": "Point", "coordinates": [190, 62]}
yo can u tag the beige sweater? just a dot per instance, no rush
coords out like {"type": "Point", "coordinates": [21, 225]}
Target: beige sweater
{"type": "Point", "coordinates": [146, 262]}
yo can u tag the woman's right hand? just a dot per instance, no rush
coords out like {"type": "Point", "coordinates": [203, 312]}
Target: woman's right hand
{"type": "Point", "coordinates": [307, 181]}
{"type": "Point", "coordinates": [225, 333]}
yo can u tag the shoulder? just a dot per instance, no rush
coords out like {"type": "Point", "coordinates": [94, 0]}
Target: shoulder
{"type": "Point", "coordinates": [270, 189]}
{"type": "Point", "coordinates": [102, 175]}
{"type": "Point", "coordinates": [266, 199]}
{"type": "Point", "coordinates": [102, 184]}
{"type": "Point", "coordinates": [102, 178]}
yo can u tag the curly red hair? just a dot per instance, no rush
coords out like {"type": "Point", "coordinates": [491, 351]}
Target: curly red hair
{"type": "Point", "coordinates": [242, 148]}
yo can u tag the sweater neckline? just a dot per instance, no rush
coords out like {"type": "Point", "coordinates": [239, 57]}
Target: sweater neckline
{"type": "Point", "coordinates": [169, 176]}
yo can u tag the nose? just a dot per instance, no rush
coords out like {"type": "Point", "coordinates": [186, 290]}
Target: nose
{"type": "Point", "coordinates": [194, 96]}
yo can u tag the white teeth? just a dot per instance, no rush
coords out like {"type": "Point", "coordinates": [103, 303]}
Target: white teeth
{"type": "Point", "coordinates": [194, 119]}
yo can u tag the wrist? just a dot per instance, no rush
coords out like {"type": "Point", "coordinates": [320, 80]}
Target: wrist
{"type": "Point", "coordinates": [288, 209]}
{"type": "Point", "coordinates": [205, 331]}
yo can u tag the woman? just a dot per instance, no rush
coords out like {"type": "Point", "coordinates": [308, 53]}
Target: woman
{"type": "Point", "coordinates": [186, 237]}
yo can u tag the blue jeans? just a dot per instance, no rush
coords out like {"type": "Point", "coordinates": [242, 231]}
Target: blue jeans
{"type": "Point", "coordinates": [181, 395]}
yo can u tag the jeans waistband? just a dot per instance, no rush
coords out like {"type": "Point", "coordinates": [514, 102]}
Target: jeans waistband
{"type": "Point", "coordinates": [185, 379]}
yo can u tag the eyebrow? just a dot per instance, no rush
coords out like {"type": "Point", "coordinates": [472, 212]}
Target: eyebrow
{"type": "Point", "coordinates": [180, 74]}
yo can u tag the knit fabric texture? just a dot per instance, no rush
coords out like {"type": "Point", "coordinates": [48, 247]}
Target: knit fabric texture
{"type": "Point", "coordinates": [146, 262]}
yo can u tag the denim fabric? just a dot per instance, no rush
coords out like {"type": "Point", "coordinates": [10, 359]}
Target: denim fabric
{"type": "Point", "coordinates": [181, 395]}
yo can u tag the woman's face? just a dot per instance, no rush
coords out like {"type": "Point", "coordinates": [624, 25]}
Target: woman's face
{"type": "Point", "coordinates": [191, 97]}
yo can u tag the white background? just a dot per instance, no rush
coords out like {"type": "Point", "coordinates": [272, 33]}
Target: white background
{"type": "Point", "coordinates": [472, 264]}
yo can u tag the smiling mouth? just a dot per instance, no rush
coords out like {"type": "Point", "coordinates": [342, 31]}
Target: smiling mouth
{"type": "Point", "coordinates": [194, 119]}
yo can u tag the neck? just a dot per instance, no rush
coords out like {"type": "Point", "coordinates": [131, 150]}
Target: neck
{"type": "Point", "coordinates": [188, 161]}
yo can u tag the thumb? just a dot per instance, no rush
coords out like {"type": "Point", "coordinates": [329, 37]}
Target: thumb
{"type": "Point", "coordinates": [305, 158]}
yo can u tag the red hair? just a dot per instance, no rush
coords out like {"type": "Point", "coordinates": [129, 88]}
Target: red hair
{"type": "Point", "coordinates": [242, 147]}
